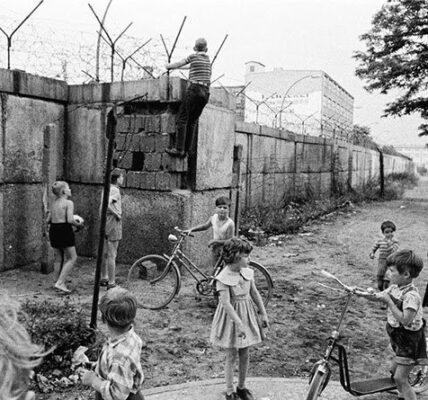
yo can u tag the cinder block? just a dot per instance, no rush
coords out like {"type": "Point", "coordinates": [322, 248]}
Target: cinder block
{"type": "Point", "coordinates": [153, 161]}
{"type": "Point", "coordinates": [167, 123]}
{"type": "Point", "coordinates": [153, 123]}
{"type": "Point", "coordinates": [147, 143]}
{"type": "Point", "coordinates": [133, 179]}
{"type": "Point", "coordinates": [120, 142]}
{"type": "Point", "coordinates": [150, 180]}
{"type": "Point", "coordinates": [134, 141]}
{"type": "Point", "coordinates": [125, 160]}
{"type": "Point", "coordinates": [163, 181]}
{"type": "Point", "coordinates": [124, 123]}
{"type": "Point", "coordinates": [162, 142]}
{"type": "Point", "coordinates": [140, 123]}
{"type": "Point", "coordinates": [174, 164]}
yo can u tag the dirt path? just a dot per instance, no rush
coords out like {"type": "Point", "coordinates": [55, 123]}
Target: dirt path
{"type": "Point", "coordinates": [301, 311]}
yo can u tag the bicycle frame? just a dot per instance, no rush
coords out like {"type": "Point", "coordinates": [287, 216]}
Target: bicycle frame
{"type": "Point", "coordinates": [178, 255]}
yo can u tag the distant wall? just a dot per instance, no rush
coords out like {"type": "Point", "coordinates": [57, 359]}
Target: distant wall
{"type": "Point", "coordinates": [277, 165]}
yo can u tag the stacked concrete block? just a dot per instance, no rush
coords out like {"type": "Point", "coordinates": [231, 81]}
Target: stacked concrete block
{"type": "Point", "coordinates": [140, 150]}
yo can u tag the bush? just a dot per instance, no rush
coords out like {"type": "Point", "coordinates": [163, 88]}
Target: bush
{"type": "Point", "coordinates": [61, 326]}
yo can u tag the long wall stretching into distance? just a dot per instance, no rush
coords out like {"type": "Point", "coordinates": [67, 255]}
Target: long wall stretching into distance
{"type": "Point", "coordinates": [50, 130]}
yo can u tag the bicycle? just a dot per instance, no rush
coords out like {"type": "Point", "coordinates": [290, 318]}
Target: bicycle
{"type": "Point", "coordinates": [156, 279]}
{"type": "Point", "coordinates": [321, 370]}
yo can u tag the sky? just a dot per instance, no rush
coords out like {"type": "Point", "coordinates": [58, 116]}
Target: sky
{"type": "Point", "coordinates": [292, 34]}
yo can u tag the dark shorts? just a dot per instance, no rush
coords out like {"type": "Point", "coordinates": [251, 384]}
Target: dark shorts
{"type": "Point", "coordinates": [409, 346]}
{"type": "Point", "coordinates": [61, 235]}
{"type": "Point", "coordinates": [137, 396]}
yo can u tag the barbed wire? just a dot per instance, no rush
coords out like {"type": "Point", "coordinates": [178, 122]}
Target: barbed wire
{"type": "Point", "coordinates": [65, 54]}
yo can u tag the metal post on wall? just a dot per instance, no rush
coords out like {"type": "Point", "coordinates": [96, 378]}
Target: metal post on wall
{"type": "Point", "coordinates": [110, 133]}
{"type": "Point", "coordinates": [9, 37]}
{"type": "Point", "coordinates": [381, 173]}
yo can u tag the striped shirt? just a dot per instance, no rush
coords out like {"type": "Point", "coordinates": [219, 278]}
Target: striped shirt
{"type": "Point", "coordinates": [200, 67]}
{"type": "Point", "coordinates": [119, 366]}
{"type": "Point", "coordinates": [385, 247]}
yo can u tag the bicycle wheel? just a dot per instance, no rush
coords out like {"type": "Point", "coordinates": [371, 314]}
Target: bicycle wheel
{"type": "Point", "coordinates": [263, 281]}
{"type": "Point", "coordinates": [418, 378]}
{"type": "Point", "coordinates": [316, 386]}
{"type": "Point", "coordinates": [154, 281]}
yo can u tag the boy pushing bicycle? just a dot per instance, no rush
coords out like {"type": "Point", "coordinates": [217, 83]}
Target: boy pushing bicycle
{"type": "Point", "coordinates": [222, 225]}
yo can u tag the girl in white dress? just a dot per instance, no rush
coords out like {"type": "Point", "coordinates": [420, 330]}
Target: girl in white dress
{"type": "Point", "coordinates": [235, 325]}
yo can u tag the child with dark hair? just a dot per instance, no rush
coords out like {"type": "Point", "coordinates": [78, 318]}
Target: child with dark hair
{"type": "Point", "coordinates": [195, 99]}
{"type": "Point", "coordinates": [222, 225]}
{"type": "Point", "coordinates": [386, 246]}
{"type": "Point", "coordinates": [235, 325]}
{"type": "Point", "coordinates": [405, 325]}
{"type": "Point", "coordinates": [118, 374]}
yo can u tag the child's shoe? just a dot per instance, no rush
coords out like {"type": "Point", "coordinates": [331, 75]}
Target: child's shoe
{"type": "Point", "coordinates": [244, 394]}
{"type": "Point", "coordinates": [232, 396]}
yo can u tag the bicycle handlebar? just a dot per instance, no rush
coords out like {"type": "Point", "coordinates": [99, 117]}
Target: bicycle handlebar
{"type": "Point", "coordinates": [182, 233]}
{"type": "Point", "coordinates": [351, 289]}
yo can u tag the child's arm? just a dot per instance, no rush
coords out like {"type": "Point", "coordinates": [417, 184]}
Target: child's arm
{"type": "Point", "coordinates": [112, 210]}
{"type": "Point", "coordinates": [405, 317]}
{"type": "Point", "coordinates": [255, 295]}
{"type": "Point", "coordinates": [48, 217]}
{"type": "Point", "coordinates": [375, 247]}
{"type": "Point", "coordinates": [179, 64]}
{"type": "Point", "coordinates": [199, 228]}
{"type": "Point", "coordinates": [70, 214]}
{"type": "Point", "coordinates": [224, 298]}
{"type": "Point", "coordinates": [118, 384]}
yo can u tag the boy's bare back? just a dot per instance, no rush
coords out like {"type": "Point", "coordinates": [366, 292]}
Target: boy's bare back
{"type": "Point", "coordinates": [61, 210]}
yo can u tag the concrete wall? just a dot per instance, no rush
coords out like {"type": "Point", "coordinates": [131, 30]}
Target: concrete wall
{"type": "Point", "coordinates": [29, 104]}
{"type": "Point", "coordinates": [53, 131]}
{"type": "Point", "coordinates": [156, 195]}
{"type": "Point", "coordinates": [278, 165]}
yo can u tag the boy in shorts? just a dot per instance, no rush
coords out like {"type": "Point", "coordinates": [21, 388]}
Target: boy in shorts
{"type": "Point", "coordinates": [405, 325]}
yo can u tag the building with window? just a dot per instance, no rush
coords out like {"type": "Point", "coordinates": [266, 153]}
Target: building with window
{"type": "Point", "coordinates": [307, 102]}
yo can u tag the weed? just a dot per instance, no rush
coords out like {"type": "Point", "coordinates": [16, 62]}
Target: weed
{"type": "Point", "coordinates": [290, 215]}
{"type": "Point", "coordinates": [59, 326]}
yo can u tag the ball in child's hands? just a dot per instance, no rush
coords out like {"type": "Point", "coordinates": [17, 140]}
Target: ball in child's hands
{"type": "Point", "coordinates": [78, 219]}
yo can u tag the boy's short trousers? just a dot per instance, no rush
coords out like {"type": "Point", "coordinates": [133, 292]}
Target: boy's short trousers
{"type": "Point", "coordinates": [409, 346]}
{"type": "Point", "coordinates": [61, 235]}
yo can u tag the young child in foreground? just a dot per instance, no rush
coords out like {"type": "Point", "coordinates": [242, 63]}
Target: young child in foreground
{"type": "Point", "coordinates": [118, 374]}
{"type": "Point", "coordinates": [18, 355]}
{"type": "Point", "coordinates": [235, 326]}
{"type": "Point", "coordinates": [223, 227]}
{"type": "Point", "coordinates": [386, 246]}
{"type": "Point", "coordinates": [405, 325]}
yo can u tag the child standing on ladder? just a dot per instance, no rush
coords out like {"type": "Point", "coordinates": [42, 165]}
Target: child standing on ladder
{"type": "Point", "coordinates": [196, 97]}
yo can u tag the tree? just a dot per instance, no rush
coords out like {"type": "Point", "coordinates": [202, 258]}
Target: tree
{"type": "Point", "coordinates": [361, 135]}
{"type": "Point", "coordinates": [396, 57]}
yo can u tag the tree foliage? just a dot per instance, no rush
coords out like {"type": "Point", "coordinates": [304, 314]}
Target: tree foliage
{"type": "Point", "coordinates": [396, 56]}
